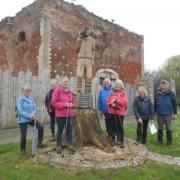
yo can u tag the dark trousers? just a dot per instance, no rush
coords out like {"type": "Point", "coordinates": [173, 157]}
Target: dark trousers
{"type": "Point", "coordinates": [107, 123]}
{"type": "Point", "coordinates": [142, 131]}
{"type": "Point", "coordinates": [116, 123]}
{"type": "Point", "coordinates": [52, 122]}
{"type": "Point", "coordinates": [23, 130]}
{"type": "Point", "coordinates": [66, 122]}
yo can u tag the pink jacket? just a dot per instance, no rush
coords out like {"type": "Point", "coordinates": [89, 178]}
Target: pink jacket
{"type": "Point", "coordinates": [59, 101]}
{"type": "Point", "coordinates": [120, 98]}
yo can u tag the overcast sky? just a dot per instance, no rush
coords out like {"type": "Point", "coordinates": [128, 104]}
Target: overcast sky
{"type": "Point", "coordinates": [157, 20]}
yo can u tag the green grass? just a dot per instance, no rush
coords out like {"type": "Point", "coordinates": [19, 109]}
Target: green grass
{"type": "Point", "coordinates": [15, 166]}
{"type": "Point", "coordinates": [173, 150]}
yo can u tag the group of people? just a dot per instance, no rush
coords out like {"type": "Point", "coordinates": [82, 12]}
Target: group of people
{"type": "Point", "coordinates": [112, 104]}
{"type": "Point", "coordinates": [60, 104]}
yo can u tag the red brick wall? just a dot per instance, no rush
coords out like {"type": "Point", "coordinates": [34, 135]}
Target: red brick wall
{"type": "Point", "coordinates": [122, 52]}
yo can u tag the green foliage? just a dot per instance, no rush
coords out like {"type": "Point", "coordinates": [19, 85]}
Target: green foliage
{"type": "Point", "coordinates": [172, 70]}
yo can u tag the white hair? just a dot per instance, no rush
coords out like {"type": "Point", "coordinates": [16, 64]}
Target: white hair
{"type": "Point", "coordinates": [65, 79]}
{"type": "Point", "coordinates": [107, 80]}
{"type": "Point", "coordinates": [119, 84]}
{"type": "Point", "coordinates": [26, 86]}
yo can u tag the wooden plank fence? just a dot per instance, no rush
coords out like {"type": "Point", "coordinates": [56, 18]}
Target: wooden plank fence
{"type": "Point", "coordinates": [11, 89]}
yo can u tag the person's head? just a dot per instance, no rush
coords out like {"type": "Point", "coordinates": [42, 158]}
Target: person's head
{"type": "Point", "coordinates": [118, 84]}
{"type": "Point", "coordinates": [142, 92]}
{"type": "Point", "coordinates": [53, 83]}
{"type": "Point", "coordinates": [26, 90]}
{"type": "Point", "coordinates": [107, 83]}
{"type": "Point", "coordinates": [65, 83]}
{"type": "Point", "coordinates": [164, 85]}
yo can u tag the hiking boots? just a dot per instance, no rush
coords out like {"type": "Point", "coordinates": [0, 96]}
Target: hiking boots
{"type": "Point", "coordinates": [121, 144]}
{"type": "Point", "coordinates": [169, 137]}
{"type": "Point", "coordinates": [160, 136]}
{"type": "Point", "coordinates": [53, 137]}
{"type": "Point", "coordinates": [59, 149]}
{"type": "Point", "coordinates": [71, 148]}
{"type": "Point", "coordinates": [111, 141]}
{"type": "Point", "coordinates": [41, 145]}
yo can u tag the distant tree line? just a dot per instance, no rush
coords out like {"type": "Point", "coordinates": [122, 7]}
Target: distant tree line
{"type": "Point", "coordinates": [170, 70]}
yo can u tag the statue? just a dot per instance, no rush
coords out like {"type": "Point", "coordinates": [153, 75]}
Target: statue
{"type": "Point", "coordinates": [85, 48]}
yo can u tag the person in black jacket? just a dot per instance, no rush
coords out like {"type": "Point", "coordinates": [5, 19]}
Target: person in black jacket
{"type": "Point", "coordinates": [143, 110]}
{"type": "Point", "coordinates": [166, 111]}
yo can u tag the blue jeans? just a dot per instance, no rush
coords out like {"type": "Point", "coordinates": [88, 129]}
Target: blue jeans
{"type": "Point", "coordinates": [23, 130]}
{"type": "Point", "coordinates": [66, 122]}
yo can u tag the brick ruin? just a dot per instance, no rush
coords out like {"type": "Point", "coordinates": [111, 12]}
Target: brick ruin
{"type": "Point", "coordinates": [42, 38]}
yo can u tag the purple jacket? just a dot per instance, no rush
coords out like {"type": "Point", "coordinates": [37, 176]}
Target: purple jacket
{"type": "Point", "coordinates": [47, 101]}
{"type": "Point", "coordinates": [59, 101]}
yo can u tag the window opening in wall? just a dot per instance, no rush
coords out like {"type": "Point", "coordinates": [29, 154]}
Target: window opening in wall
{"type": "Point", "coordinates": [22, 36]}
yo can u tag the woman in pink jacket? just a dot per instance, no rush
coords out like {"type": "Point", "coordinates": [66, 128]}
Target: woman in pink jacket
{"type": "Point", "coordinates": [117, 105]}
{"type": "Point", "coordinates": [63, 101]}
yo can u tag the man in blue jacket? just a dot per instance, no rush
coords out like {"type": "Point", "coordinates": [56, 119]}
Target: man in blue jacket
{"type": "Point", "coordinates": [166, 110]}
{"type": "Point", "coordinates": [106, 90]}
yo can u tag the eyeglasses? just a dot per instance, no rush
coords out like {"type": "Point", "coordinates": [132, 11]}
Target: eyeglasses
{"type": "Point", "coordinates": [27, 90]}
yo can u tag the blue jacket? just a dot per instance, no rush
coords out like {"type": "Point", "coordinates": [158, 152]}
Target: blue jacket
{"type": "Point", "coordinates": [143, 108]}
{"type": "Point", "coordinates": [26, 107]}
{"type": "Point", "coordinates": [102, 98]}
{"type": "Point", "coordinates": [165, 103]}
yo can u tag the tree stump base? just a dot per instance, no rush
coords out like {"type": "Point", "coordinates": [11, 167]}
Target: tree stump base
{"type": "Point", "coordinates": [88, 131]}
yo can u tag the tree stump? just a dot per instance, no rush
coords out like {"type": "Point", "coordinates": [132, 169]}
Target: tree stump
{"type": "Point", "coordinates": [87, 130]}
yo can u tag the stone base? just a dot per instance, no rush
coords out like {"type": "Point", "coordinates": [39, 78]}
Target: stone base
{"type": "Point", "coordinates": [89, 157]}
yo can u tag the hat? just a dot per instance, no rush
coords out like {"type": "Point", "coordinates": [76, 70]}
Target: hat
{"type": "Point", "coordinates": [164, 82]}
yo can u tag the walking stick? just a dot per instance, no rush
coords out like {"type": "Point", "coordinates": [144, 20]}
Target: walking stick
{"type": "Point", "coordinates": [116, 116]}
{"type": "Point", "coordinates": [34, 139]}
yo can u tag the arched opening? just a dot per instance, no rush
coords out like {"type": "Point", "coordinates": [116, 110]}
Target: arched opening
{"type": "Point", "coordinates": [97, 82]}
{"type": "Point", "coordinates": [22, 36]}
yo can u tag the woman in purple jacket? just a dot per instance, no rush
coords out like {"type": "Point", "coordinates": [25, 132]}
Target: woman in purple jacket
{"type": "Point", "coordinates": [63, 101]}
{"type": "Point", "coordinates": [50, 109]}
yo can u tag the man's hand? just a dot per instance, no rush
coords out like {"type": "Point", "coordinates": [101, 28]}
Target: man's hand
{"type": "Point", "coordinates": [140, 121]}
{"type": "Point", "coordinates": [174, 116]}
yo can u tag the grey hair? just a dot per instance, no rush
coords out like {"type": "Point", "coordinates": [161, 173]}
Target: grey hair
{"type": "Point", "coordinates": [26, 86]}
{"type": "Point", "coordinates": [107, 79]}
{"type": "Point", "coordinates": [65, 79]}
{"type": "Point", "coordinates": [119, 83]}
{"type": "Point", "coordinates": [142, 89]}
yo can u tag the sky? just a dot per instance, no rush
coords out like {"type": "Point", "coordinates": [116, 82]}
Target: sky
{"type": "Point", "coordinates": [157, 20]}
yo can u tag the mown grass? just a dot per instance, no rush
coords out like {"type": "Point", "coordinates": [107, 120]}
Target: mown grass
{"type": "Point", "coordinates": [15, 166]}
{"type": "Point", "coordinates": [173, 150]}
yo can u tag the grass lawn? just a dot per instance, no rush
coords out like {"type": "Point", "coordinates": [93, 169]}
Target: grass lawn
{"type": "Point", "coordinates": [173, 150]}
{"type": "Point", "coordinates": [15, 166]}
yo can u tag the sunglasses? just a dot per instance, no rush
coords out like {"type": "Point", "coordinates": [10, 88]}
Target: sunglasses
{"type": "Point", "coordinates": [27, 90]}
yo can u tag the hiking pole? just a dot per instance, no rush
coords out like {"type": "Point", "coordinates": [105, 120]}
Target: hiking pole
{"type": "Point", "coordinates": [123, 129]}
{"type": "Point", "coordinates": [63, 145]}
{"type": "Point", "coordinates": [34, 140]}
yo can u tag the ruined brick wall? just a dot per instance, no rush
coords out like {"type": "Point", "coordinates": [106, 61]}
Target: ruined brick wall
{"type": "Point", "coordinates": [20, 39]}
{"type": "Point", "coordinates": [117, 49]}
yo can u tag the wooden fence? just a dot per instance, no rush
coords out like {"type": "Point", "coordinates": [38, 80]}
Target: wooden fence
{"type": "Point", "coordinates": [11, 89]}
